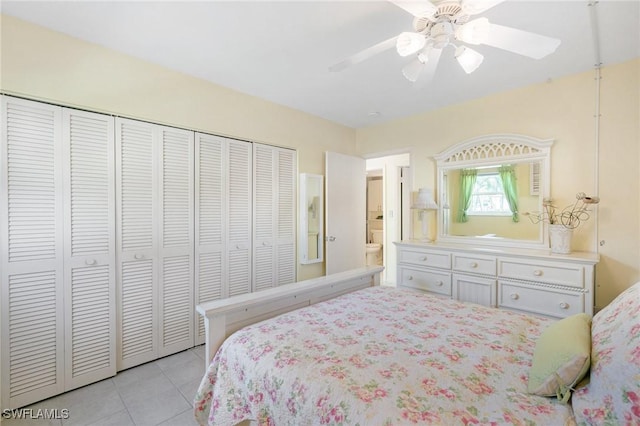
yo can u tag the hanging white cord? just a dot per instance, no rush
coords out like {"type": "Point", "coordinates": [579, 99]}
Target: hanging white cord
{"type": "Point", "coordinates": [596, 50]}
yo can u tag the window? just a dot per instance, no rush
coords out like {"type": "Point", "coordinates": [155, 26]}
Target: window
{"type": "Point", "coordinates": [488, 196]}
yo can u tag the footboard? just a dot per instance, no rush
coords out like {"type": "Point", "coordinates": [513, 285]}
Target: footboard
{"type": "Point", "coordinates": [223, 317]}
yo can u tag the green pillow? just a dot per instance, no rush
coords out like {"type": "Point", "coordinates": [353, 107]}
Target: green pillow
{"type": "Point", "coordinates": [561, 358]}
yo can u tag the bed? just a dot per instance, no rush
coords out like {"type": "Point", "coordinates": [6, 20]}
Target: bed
{"type": "Point", "coordinates": [387, 356]}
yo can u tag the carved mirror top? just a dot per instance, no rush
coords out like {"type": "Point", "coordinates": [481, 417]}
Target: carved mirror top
{"type": "Point", "coordinates": [494, 149]}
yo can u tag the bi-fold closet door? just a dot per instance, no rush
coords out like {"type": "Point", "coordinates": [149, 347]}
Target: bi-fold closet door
{"type": "Point", "coordinates": [223, 220]}
{"type": "Point", "coordinates": [154, 222]}
{"type": "Point", "coordinates": [274, 245]}
{"type": "Point", "coordinates": [57, 250]}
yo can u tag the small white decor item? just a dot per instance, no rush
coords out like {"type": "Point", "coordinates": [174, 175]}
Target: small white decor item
{"type": "Point", "coordinates": [562, 223]}
{"type": "Point", "coordinates": [560, 239]}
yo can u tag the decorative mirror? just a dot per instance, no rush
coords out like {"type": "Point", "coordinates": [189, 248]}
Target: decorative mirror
{"type": "Point", "coordinates": [487, 184]}
{"type": "Point", "coordinates": [311, 234]}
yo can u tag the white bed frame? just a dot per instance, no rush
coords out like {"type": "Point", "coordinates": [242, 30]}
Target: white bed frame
{"type": "Point", "coordinates": [223, 317]}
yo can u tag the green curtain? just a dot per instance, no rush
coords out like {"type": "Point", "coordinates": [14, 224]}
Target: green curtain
{"type": "Point", "coordinates": [467, 181]}
{"type": "Point", "coordinates": [508, 176]}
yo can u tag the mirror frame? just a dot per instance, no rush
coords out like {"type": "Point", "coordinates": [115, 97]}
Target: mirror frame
{"type": "Point", "coordinates": [303, 231]}
{"type": "Point", "coordinates": [491, 150]}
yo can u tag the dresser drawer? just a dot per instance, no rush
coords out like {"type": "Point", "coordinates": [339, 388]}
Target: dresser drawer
{"type": "Point", "coordinates": [541, 300]}
{"type": "Point", "coordinates": [427, 280]}
{"type": "Point", "coordinates": [540, 271]}
{"type": "Point", "coordinates": [426, 258]}
{"type": "Point", "coordinates": [475, 264]}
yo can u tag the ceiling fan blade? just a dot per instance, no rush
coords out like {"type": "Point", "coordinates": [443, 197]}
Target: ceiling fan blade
{"type": "Point", "coordinates": [473, 7]}
{"type": "Point", "coordinates": [525, 43]}
{"type": "Point", "coordinates": [419, 8]}
{"type": "Point", "coordinates": [365, 54]}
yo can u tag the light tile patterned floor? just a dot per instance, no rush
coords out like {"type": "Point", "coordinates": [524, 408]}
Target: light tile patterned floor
{"type": "Point", "coordinates": [157, 393]}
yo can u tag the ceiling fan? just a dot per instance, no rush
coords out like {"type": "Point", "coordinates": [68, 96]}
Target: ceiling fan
{"type": "Point", "coordinates": [445, 23]}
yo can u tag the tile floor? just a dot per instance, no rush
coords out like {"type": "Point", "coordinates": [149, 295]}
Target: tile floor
{"type": "Point", "coordinates": [157, 393]}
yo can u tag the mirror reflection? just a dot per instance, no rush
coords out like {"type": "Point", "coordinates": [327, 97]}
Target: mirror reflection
{"type": "Point", "coordinates": [311, 222]}
{"type": "Point", "coordinates": [488, 201]}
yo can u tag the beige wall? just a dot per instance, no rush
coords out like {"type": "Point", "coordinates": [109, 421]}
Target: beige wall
{"type": "Point", "coordinates": [561, 109]}
{"type": "Point", "coordinates": [41, 64]}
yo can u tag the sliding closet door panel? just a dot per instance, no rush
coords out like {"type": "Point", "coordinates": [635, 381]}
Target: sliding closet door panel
{"type": "Point", "coordinates": [136, 225]}
{"type": "Point", "coordinates": [90, 337]}
{"type": "Point", "coordinates": [265, 212]}
{"type": "Point", "coordinates": [31, 252]}
{"type": "Point", "coordinates": [286, 218]}
{"type": "Point", "coordinates": [176, 237]}
{"type": "Point", "coordinates": [210, 232]}
{"type": "Point", "coordinates": [239, 194]}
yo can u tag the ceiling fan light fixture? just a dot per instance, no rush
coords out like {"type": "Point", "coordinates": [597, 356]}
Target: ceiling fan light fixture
{"type": "Point", "coordinates": [412, 70]}
{"type": "Point", "coordinates": [409, 43]}
{"type": "Point", "coordinates": [474, 32]}
{"type": "Point", "coordinates": [468, 59]}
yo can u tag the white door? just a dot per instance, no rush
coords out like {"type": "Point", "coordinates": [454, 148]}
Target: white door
{"type": "Point", "coordinates": [31, 252]}
{"type": "Point", "coordinates": [240, 199]}
{"type": "Point", "coordinates": [89, 265]}
{"type": "Point", "coordinates": [274, 183]}
{"type": "Point", "coordinates": [176, 244]}
{"type": "Point", "coordinates": [136, 223]}
{"type": "Point", "coordinates": [210, 230]}
{"type": "Point", "coordinates": [345, 210]}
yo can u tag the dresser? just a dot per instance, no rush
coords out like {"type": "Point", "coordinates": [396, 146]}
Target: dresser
{"type": "Point", "coordinates": [525, 280]}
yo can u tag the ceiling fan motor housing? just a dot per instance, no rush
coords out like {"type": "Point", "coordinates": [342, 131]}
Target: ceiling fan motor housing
{"type": "Point", "coordinates": [442, 25]}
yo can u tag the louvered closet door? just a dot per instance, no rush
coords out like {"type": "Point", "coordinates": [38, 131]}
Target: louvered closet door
{"type": "Point", "coordinates": [176, 241]}
{"type": "Point", "coordinates": [136, 236]}
{"type": "Point", "coordinates": [210, 233]}
{"type": "Point", "coordinates": [286, 218]}
{"type": "Point", "coordinates": [265, 211]}
{"type": "Point", "coordinates": [31, 252]}
{"type": "Point", "coordinates": [274, 216]}
{"type": "Point", "coordinates": [89, 193]}
{"type": "Point", "coordinates": [239, 196]}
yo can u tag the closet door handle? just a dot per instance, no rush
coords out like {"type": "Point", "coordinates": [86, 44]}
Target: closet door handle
{"type": "Point", "coordinates": [90, 262]}
{"type": "Point", "coordinates": [138, 256]}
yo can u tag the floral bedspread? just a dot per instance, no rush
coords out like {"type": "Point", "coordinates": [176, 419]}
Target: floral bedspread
{"type": "Point", "coordinates": [380, 356]}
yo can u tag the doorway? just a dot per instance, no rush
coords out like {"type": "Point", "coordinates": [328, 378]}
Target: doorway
{"type": "Point", "coordinates": [393, 215]}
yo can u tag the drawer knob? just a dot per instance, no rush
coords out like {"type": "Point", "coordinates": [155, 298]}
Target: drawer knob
{"type": "Point", "coordinates": [474, 264]}
{"type": "Point", "coordinates": [138, 256]}
{"type": "Point", "coordinates": [424, 258]}
{"type": "Point", "coordinates": [410, 277]}
{"type": "Point", "coordinates": [90, 262]}
{"type": "Point", "coordinates": [439, 283]}
{"type": "Point", "coordinates": [537, 272]}
{"type": "Point", "coordinates": [515, 296]}
{"type": "Point", "coordinates": [564, 305]}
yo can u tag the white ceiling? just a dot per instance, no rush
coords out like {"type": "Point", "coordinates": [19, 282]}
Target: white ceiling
{"type": "Point", "coordinates": [281, 51]}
